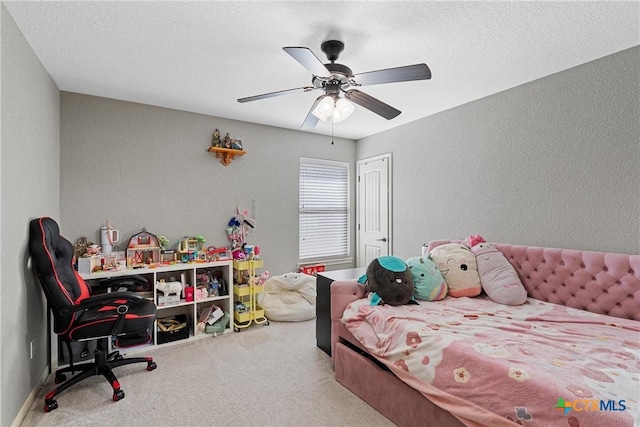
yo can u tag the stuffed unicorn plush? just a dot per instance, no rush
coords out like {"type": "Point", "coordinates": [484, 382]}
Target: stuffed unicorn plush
{"type": "Point", "coordinates": [429, 285]}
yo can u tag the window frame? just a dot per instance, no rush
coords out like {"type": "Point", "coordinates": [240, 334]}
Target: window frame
{"type": "Point", "coordinates": [326, 258]}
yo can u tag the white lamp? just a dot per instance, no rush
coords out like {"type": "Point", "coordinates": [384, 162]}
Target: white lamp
{"type": "Point", "coordinates": [343, 109]}
{"type": "Point", "coordinates": [338, 109]}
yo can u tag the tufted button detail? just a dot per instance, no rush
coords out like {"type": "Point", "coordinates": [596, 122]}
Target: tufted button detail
{"type": "Point", "coordinates": [581, 265]}
{"type": "Point", "coordinates": [618, 304]}
{"type": "Point", "coordinates": [630, 271]}
{"type": "Point", "coordinates": [593, 300]}
{"type": "Point", "coordinates": [617, 282]}
{"type": "Point", "coordinates": [605, 268]}
{"type": "Point", "coordinates": [582, 287]}
{"type": "Point", "coordinates": [561, 262]}
{"type": "Point", "coordinates": [605, 291]}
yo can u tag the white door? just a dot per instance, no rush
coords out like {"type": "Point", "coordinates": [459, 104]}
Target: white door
{"type": "Point", "coordinates": [374, 208]}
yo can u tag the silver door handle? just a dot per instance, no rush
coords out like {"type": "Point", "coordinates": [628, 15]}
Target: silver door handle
{"type": "Point", "coordinates": [384, 239]}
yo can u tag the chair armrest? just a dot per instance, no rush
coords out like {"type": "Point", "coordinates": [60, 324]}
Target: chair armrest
{"type": "Point", "coordinates": [100, 300]}
{"type": "Point", "coordinates": [135, 283]}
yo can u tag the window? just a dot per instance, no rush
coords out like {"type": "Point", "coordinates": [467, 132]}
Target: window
{"type": "Point", "coordinates": [323, 209]}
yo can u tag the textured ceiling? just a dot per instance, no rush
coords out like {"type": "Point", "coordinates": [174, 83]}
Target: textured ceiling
{"type": "Point", "coordinates": [202, 56]}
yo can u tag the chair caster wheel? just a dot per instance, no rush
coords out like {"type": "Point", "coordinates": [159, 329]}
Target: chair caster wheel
{"type": "Point", "coordinates": [118, 395]}
{"type": "Point", "coordinates": [151, 366]}
{"type": "Point", "coordinates": [60, 379]}
{"type": "Point", "coordinates": [50, 406]}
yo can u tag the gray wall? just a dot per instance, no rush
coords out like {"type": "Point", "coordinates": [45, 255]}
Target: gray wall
{"type": "Point", "coordinates": [143, 166]}
{"type": "Point", "coordinates": [552, 163]}
{"type": "Point", "coordinates": [30, 188]}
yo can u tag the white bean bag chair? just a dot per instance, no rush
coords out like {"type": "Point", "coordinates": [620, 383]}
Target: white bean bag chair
{"type": "Point", "coordinates": [290, 297]}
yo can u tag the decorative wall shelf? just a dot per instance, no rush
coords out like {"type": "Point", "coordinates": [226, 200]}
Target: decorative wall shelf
{"type": "Point", "coordinates": [226, 155]}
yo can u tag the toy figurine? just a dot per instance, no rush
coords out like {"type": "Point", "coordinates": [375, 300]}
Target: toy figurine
{"type": "Point", "coordinates": [236, 144]}
{"type": "Point", "coordinates": [216, 142]}
{"type": "Point", "coordinates": [226, 142]}
{"type": "Point", "coordinates": [163, 242]}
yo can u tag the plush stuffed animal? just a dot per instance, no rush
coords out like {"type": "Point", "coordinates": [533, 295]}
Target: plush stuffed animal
{"type": "Point", "coordinates": [429, 285]}
{"type": "Point", "coordinates": [497, 276]}
{"type": "Point", "coordinates": [390, 280]}
{"type": "Point", "coordinates": [458, 266]}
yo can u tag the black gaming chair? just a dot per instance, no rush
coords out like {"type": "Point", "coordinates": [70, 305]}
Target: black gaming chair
{"type": "Point", "coordinates": [78, 316]}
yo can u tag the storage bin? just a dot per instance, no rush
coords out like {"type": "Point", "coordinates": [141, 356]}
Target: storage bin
{"type": "Point", "coordinates": [179, 333]}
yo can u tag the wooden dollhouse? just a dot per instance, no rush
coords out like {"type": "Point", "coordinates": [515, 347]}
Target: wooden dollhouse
{"type": "Point", "coordinates": [143, 250]}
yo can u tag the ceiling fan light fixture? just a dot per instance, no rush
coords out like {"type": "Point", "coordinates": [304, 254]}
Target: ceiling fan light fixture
{"type": "Point", "coordinates": [325, 108]}
{"type": "Point", "coordinates": [337, 110]}
{"type": "Point", "coordinates": [344, 108]}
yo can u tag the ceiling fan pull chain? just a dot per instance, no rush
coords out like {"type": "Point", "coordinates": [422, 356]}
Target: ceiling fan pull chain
{"type": "Point", "coordinates": [331, 131]}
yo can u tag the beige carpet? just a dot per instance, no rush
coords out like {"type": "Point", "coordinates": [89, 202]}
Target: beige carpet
{"type": "Point", "coordinates": [262, 376]}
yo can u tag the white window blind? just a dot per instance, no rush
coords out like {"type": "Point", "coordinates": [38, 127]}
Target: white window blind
{"type": "Point", "coordinates": [323, 209]}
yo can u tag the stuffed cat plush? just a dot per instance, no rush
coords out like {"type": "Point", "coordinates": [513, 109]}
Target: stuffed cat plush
{"type": "Point", "coordinates": [458, 266]}
{"type": "Point", "coordinates": [429, 285]}
{"type": "Point", "coordinates": [390, 280]}
{"type": "Point", "coordinates": [497, 276]}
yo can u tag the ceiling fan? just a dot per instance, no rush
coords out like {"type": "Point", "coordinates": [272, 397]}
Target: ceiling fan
{"type": "Point", "coordinates": [334, 78]}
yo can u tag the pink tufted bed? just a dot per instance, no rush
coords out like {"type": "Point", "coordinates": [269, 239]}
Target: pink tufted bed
{"type": "Point", "coordinates": [569, 356]}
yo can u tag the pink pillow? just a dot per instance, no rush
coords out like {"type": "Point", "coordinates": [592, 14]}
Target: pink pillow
{"type": "Point", "coordinates": [498, 277]}
{"type": "Point", "coordinates": [459, 269]}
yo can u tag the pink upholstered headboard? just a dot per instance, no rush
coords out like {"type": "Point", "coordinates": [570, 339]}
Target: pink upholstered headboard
{"type": "Point", "coordinates": [599, 282]}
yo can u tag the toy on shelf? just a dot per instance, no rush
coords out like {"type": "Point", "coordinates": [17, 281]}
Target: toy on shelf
{"type": "Point", "coordinates": [143, 250]}
{"type": "Point", "coordinates": [92, 250]}
{"type": "Point", "coordinates": [216, 254]}
{"type": "Point", "coordinates": [190, 249]}
{"type": "Point", "coordinates": [171, 292]}
{"type": "Point", "coordinates": [227, 148]}
{"type": "Point", "coordinates": [108, 236]}
{"type": "Point", "coordinates": [212, 282]}
{"type": "Point", "coordinates": [80, 248]}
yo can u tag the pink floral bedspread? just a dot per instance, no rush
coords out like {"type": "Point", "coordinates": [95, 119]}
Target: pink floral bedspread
{"type": "Point", "coordinates": [538, 364]}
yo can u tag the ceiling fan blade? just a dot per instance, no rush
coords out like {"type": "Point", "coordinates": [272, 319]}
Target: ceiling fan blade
{"type": "Point", "coordinates": [392, 75]}
{"type": "Point", "coordinates": [371, 103]}
{"type": "Point", "coordinates": [311, 121]}
{"type": "Point", "coordinates": [278, 93]}
{"type": "Point", "coordinates": [308, 60]}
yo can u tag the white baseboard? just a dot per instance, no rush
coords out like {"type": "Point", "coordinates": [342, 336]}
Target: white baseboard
{"type": "Point", "coordinates": [31, 398]}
